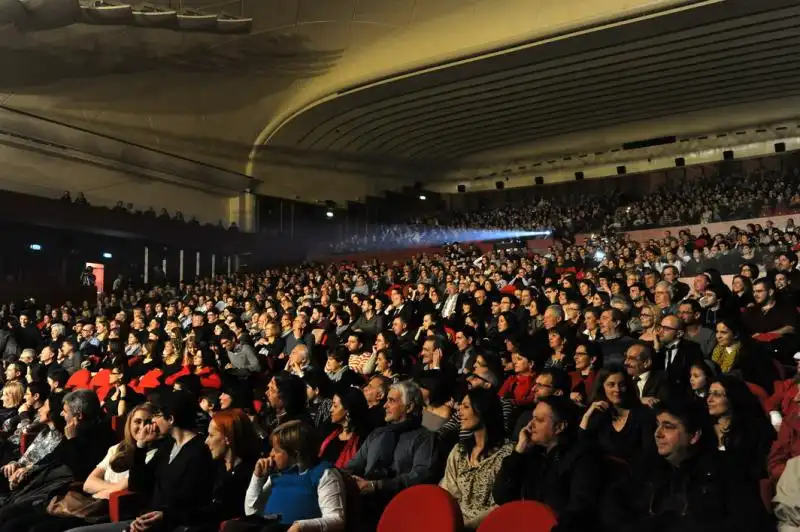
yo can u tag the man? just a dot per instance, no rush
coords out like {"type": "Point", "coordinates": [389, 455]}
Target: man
{"type": "Point", "coordinates": [614, 343]}
{"type": "Point", "coordinates": [397, 456]}
{"type": "Point", "coordinates": [767, 319]}
{"type": "Point", "coordinates": [398, 308]}
{"type": "Point", "coordinates": [549, 382]}
{"type": "Point", "coordinates": [787, 446]}
{"type": "Point", "coordinates": [375, 393]}
{"type": "Point", "coordinates": [551, 466]}
{"type": "Point", "coordinates": [242, 359]}
{"type": "Point", "coordinates": [651, 383]}
{"type": "Point", "coordinates": [691, 312]}
{"type": "Point", "coordinates": [465, 357]}
{"type": "Point", "coordinates": [361, 360]}
{"type": "Point", "coordinates": [671, 275]}
{"type": "Point", "coordinates": [9, 349]}
{"type": "Point", "coordinates": [450, 309]}
{"type": "Point", "coordinates": [15, 372]}
{"type": "Point", "coordinates": [687, 486]}
{"type": "Point", "coordinates": [432, 358]}
{"type": "Point", "coordinates": [676, 354]}
{"type": "Point", "coordinates": [68, 356]}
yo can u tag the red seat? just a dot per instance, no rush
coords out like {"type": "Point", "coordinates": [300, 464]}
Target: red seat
{"type": "Point", "coordinates": [81, 380]}
{"type": "Point", "coordinates": [761, 393]}
{"type": "Point", "coordinates": [25, 440]}
{"type": "Point", "coordinates": [124, 505]}
{"type": "Point", "coordinates": [101, 379]}
{"type": "Point", "coordinates": [520, 516]}
{"type": "Point", "coordinates": [425, 503]}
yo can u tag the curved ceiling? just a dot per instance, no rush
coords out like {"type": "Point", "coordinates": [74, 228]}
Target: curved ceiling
{"type": "Point", "coordinates": [712, 55]}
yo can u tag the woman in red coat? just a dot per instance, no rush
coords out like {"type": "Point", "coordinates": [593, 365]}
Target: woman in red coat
{"type": "Point", "coordinates": [203, 365]}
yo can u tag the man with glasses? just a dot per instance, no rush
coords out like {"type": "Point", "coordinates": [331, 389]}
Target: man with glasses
{"type": "Point", "coordinates": [767, 316]}
{"type": "Point", "coordinates": [675, 354]}
{"type": "Point", "coordinates": [690, 312]}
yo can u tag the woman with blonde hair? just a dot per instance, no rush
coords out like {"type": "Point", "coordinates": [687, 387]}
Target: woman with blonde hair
{"type": "Point", "coordinates": [649, 317]}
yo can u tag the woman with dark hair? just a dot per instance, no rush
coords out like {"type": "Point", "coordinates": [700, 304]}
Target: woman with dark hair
{"type": "Point", "coordinates": [390, 365]}
{"type": "Point", "coordinates": [121, 397]}
{"type": "Point", "coordinates": [474, 463]}
{"type": "Point", "coordinates": [203, 364]}
{"type": "Point", "coordinates": [742, 292]}
{"type": "Point", "coordinates": [586, 357]}
{"type": "Point", "coordinates": [743, 430]}
{"type": "Point", "coordinates": [349, 413]}
{"type": "Point", "coordinates": [318, 392]}
{"type": "Point", "coordinates": [701, 373]}
{"type": "Point", "coordinates": [561, 348]}
{"type": "Point", "coordinates": [437, 394]}
{"type": "Point", "coordinates": [616, 419]}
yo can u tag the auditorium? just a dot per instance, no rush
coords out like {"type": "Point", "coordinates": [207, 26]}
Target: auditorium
{"type": "Point", "coordinates": [391, 265]}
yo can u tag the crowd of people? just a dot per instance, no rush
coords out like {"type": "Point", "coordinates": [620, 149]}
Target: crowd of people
{"type": "Point", "coordinates": [589, 378]}
{"type": "Point", "coordinates": [692, 200]}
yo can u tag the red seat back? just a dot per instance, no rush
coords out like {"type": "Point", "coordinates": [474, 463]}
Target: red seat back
{"type": "Point", "coordinates": [520, 516]}
{"type": "Point", "coordinates": [427, 504]}
{"type": "Point", "coordinates": [80, 380]}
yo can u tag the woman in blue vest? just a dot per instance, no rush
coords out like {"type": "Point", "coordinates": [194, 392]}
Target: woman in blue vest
{"type": "Point", "coordinates": [292, 490]}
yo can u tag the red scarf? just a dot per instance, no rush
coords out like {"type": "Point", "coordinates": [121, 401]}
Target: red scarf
{"type": "Point", "coordinates": [348, 452]}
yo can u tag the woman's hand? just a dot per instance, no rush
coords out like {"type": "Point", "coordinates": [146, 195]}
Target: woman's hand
{"type": "Point", "coordinates": [9, 469]}
{"type": "Point", "coordinates": [263, 467]}
{"type": "Point", "coordinates": [147, 521]}
{"type": "Point", "coordinates": [600, 406]}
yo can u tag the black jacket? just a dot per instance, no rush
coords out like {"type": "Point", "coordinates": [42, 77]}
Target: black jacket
{"type": "Point", "coordinates": [179, 487]}
{"type": "Point", "coordinates": [677, 371]}
{"type": "Point", "coordinates": [704, 494]}
{"type": "Point", "coordinates": [567, 479]}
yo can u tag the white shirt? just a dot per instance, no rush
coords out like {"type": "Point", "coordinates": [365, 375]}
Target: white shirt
{"type": "Point", "coordinates": [642, 382]}
{"type": "Point", "coordinates": [330, 493]}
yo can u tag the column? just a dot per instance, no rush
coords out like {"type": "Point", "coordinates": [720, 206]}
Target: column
{"type": "Point", "coordinates": [213, 264]}
{"type": "Point", "coordinates": [197, 266]}
{"type": "Point", "coordinates": [180, 266]}
{"type": "Point", "coordinates": [146, 265]}
{"type": "Point", "coordinates": [228, 259]}
{"type": "Point", "coordinates": [243, 210]}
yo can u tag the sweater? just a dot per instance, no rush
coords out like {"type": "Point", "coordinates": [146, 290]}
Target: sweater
{"type": "Point", "coordinates": [294, 494]}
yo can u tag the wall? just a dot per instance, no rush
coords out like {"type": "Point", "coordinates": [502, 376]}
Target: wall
{"type": "Point", "coordinates": [31, 171]}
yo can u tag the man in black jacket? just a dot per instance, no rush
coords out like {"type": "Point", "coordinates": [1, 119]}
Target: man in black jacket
{"type": "Point", "coordinates": [676, 354]}
{"type": "Point", "coordinates": [688, 487]}
{"type": "Point", "coordinates": [549, 465]}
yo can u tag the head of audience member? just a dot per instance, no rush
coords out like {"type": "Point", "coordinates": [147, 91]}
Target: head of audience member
{"type": "Point", "coordinates": [376, 390]}
{"type": "Point", "coordinates": [615, 387]}
{"type": "Point", "coordinates": [682, 430]}
{"type": "Point", "coordinates": [404, 402]}
{"type": "Point", "coordinates": [763, 292]}
{"type": "Point", "coordinates": [57, 378]}
{"type": "Point", "coordinates": [689, 311]}
{"type": "Point", "coordinates": [82, 408]}
{"type": "Point", "coordinates": [551, 381]}
{"type": "Point", "coordinates": [337, 360]}
{"type": "Point", "coordinates": [436, 389]}
{"type": "Point", "coordinates": [554, 422]}
{"type": "Point", "coordinates": [173, 411]}
{"type": "Point", "coordinates": [294, 444]}
{"type": "Point", "coordinates": [286, 395]}
{"type": "Point", "coordinates": [232, 438]}
{"type": "Point", "coordinates": [701, 374]}
{"type": "Point", "coordinates": [349, 410]}
{"type": "Point", "coordinates": [638, 359]}
{"type": "Point", "coordinates": [727, 332]}
{"type": "Point", "coordinates": [15, 371]}
{"type": "Point", "coordinates": [50, 413]}
{"type": "Point", "coordinates": [318, 385]}
{"type": "Point", "coordinates": [586, 355]}
{"type": "Point", "coordinates": [481, 411]}
{"type": "Point", "coordinates": [138, 418]}
{"type": "Point", "coordinates": [670, 330]}
{"type": "Point", "coordinates": [13, 395]}
{"type": "Point", "coordinates": [610, 323]}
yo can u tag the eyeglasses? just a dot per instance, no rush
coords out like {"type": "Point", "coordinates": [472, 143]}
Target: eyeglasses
{"type": "Point", "coordinates": [716, 394]}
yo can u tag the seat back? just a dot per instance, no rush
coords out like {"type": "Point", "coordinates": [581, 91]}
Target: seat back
{"type": "Point", "coordinates": [427, 504]}
{"type": "Point", "coordinates": [520, 516]}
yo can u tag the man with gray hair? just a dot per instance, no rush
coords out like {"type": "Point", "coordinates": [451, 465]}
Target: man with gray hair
{"type": "Point", "coordinates": [398, 455]}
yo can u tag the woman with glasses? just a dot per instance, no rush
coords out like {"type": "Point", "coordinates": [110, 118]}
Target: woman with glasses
{"type": "Point", "coordinates": [585, 357]}
{"type": "Point", "coordinates": [649, 317]}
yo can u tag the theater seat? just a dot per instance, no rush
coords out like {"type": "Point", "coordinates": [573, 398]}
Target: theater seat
{"type": "Point", "coordinates": [425, 507]}
{"type": "Point", "coordinates": [520, 516]}
{"type": "Point", "coordinates": [80, 380]}
{"type": "Point", "coordinates": [124, 505]}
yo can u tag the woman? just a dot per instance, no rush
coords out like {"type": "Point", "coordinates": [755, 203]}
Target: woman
{"type": "Point", "coordinates": [473, 464]}
{"type": "Point", "coordinates": [172, 358]}
{"type": "Point", "coordinates": [649, 318]}
{"type": "Point", "coordinates": [616, 419]}
{"type": "Point", "coordinates": [561, 350]}
{"type": "Point", "coordinates": [293, 483]}
{"type": "Point", "coordinates": [437, 396]}
{"type": "Point", "coordinates": [134, 346]}
{"type": "Point", "coordinates": [234, 447]}
{"type": "Point", "coordinates": [591, 321]}
{"type": "Point", "coordinates": [388, 365]}
{"type": "Point", "coordinates": [728, 352]}
{"type": "Point", "coordinates": [45, 443]}
{"type": "Point", "coordinates": [271, 346]}
{"type": "Point", "coordinates": [204, 365]}
{"type": "Point", "coordinates": [586, 356]}
{"type": "Point", "coordinates": [349, 413]}
{"type": "Point", "coordinates": [743, 429]}
{"type": "Point", "coordinates": [742, 292]}
{"type": "Point", "coordinates": [13, 394]}
{"type": "Point", "coordinates": [318, 393]}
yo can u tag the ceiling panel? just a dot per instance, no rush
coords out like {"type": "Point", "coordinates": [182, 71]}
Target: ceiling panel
{"type": "Point", "coordinates": [722, 54]}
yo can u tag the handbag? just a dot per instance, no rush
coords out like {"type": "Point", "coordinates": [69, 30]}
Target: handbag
{"type": "Point", "coordinates": [77, 504]}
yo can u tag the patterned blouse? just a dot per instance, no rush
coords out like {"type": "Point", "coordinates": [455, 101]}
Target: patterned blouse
{"type": "Point", "coordinates": [44, 444]}
{"type": "Point", "coordinates": [472, 486]}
